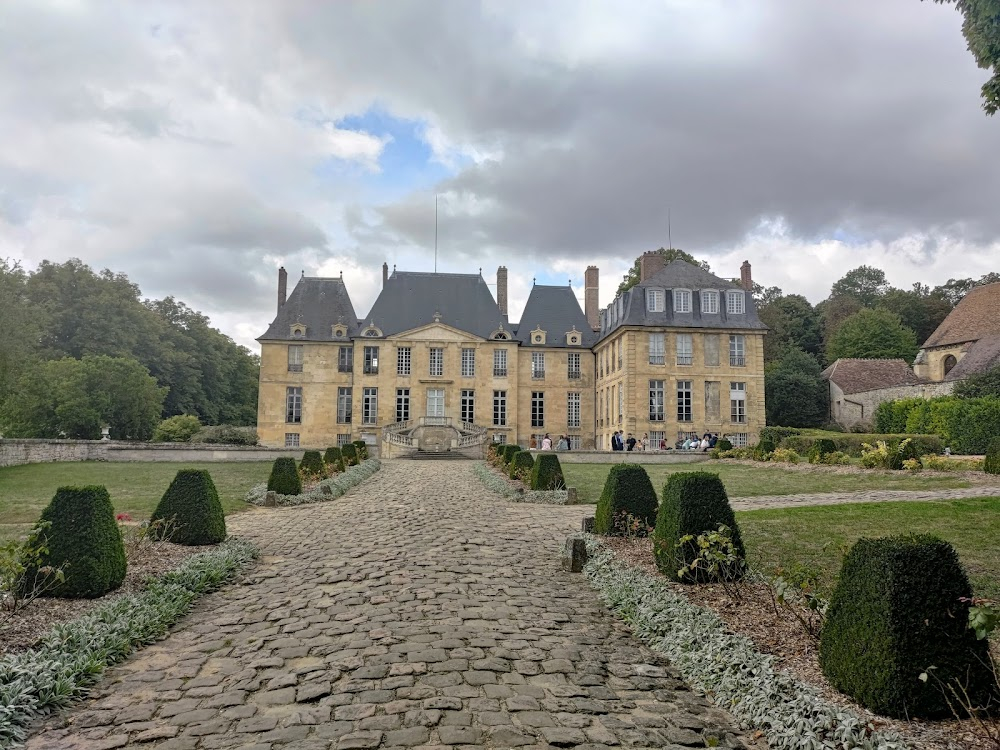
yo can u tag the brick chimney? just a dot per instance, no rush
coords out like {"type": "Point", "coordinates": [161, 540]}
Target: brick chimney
{"type": "Point", "coordinates": [502, 289]}
{"type": "Point", "coordinates": [590, 303]}
{"type": "Point", "coordinates": [745, 280]}
{"type": "Point", "coordinates": [282, 286]}
{"type": "Point", "coordinates": [385, 274]}
{"type": "Point", "coordinates": [649, 264]}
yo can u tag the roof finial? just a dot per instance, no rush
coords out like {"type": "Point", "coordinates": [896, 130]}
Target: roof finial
{"type": "Point", "coordinates": [341, 274]}
{"type": "Point", "coordinates": [437, 316]}
{"type": "Point", "coordinates": [533, 281]}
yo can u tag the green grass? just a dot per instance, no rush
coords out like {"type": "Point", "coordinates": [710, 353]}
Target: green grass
{"type": "Point", "coordinates": [751, 481]}
{"type": "Point", "coordinates": [817, 536]}
{"type": "Point", "coordinates": [135, 488]}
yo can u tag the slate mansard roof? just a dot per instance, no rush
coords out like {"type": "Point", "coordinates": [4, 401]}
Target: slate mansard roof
{"type": "Point", "coordinates": [317, 303]}
{"type": "Point", "coordinates": [630, 308]}
{"type": "Point", "coordinates": [556, 310]}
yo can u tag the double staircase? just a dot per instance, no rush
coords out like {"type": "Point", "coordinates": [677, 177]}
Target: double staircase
{"type": "Point", "coordinates": [433, 437]}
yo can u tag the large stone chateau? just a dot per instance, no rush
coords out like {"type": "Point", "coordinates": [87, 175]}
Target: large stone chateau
{"type": "Point", "coordinates": [436, 364]}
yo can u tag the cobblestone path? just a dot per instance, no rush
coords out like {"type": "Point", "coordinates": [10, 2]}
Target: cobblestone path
{"type": "Point", "coordinates": [874, 496]}
{"type": "Point", "coordinates": [419, 610]}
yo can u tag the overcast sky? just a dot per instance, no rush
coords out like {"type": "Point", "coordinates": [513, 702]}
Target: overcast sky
{"type": "Point", "coordinates": [198, 146]}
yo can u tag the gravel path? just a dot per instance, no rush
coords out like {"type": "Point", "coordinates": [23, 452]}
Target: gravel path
{"type": "Point", "coordinates": [419, 610]}
{"type": "Point", "coordinates": [874, 496]}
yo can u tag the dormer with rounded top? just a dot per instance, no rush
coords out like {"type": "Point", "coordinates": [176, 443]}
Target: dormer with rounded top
{"type": "Point", "coordinates": [297, 330]}
{"type": "Point", "coordinates": [538, 336]}
{"type": "Point", "coordinates": [371, 331]}
{"type": "Point", "coordinates": [500, 334]}
{"type": "Point", "coordinates": [574, 337]}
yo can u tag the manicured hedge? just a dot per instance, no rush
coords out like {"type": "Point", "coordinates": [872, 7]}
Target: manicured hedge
{"type": "Point", "coordinates": [312, 463]}
{"type": "Point", "coordinates": [820, 448]}
{"type": "Point", "coordinates": [723, 445]}
{"type": "Point", "coordinates": [85, 541]}
{"type": "Point", "coordinates": [850, 443]}
{"type": "Point", "coordinates": [334, 459]}
{"type": "Point", "coordinates": [284, 477]}
{"type": "Point", "coordinates": [521, 464]}
{"type": "Point", "coordinates": [991, 464]}
{"type": "Point", "coordinates": [694, 502]}
{"type": "Point", "coordinates": [362, 448]}
{"type": "Point", "coordinates": [627, 490]}
{"type": "Point", "coordinates": [966, 425]}
{"type": "Point", "coordinates": [509, 451]}
{"type": "Point", "coordinates": [350, 454]}
{"type": "Point", "coordinates": [896, 612]}
{"type": "Point", "coordinates": [191, 502]}
{"type": "Point", "coordinates": [547, 473]}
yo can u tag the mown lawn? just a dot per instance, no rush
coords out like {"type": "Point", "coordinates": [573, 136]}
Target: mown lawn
{"type": "Point", "coordinates": [750, 481]}
{"type": "Point", "coordinates": [818, 536]}
{"type": "Point", "coordinates": [135, 488]}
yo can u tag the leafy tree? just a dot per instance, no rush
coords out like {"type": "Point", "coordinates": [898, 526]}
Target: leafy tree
{"type": "Point", "coordinates": [73, 398]}
{"type": "Point", "coordinates": [794, 324]}
{"type": "Point", "coordinates": [919, 310]}
{"type": "Point", "coordinates": [630, 279]}
{"type": "Point", "coordinates": [981, 28]}
{"type": "Point", "coordinates": [866, 284]}
{"type": "Point", "coordinates": [833, 312]}
{"type": "Point", "coordinates": [873, 334]}
{"type": "Point", "coordinates": [955, 289]}
{"type": "Point", "coordinates": [795, 394]}
{"type": "Point", "coordinates": [20, 326]}
{"type": "Point", "coordinates": [763, 295]}
{"type": "Point", "coordinates": [981, 384]}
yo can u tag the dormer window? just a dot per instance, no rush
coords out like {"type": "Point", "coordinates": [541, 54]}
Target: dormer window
{"type": "Point", "coordinates": [574, 338]}
{"type": "Point", "coordinates": [654, 300]}
{"type": "Point", "coordinates": [371, 332]}
{"type": "Point", "coordinates": [538, 336]}
{"type": "Point", "coordinates": [735, 303]}
{"type": "Point", "coordinates": [298, 330]}
{"type": "Point", "coordinates": [682, 300]}
{"type": "Point", "coordinates": [709, 302]}
{"type": "Point", "coordinates": [500, 334]}
{"type": "Point", "coordinates": [339, 331]}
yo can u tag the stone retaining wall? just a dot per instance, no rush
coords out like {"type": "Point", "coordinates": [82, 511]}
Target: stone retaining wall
{"type": "Point", "coordinates": [631, 457]}
{"type": "Point", "coordinates": [16, 452]}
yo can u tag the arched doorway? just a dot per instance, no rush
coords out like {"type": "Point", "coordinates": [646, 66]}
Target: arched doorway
{"type": "Point", "coordinates": [949, 363]}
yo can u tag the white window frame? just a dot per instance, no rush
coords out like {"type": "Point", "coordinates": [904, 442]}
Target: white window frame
{"type": "Point", "coordinates": [538, 365]}
{"type": "Point", "coordinates": [684, 343]}
{"type": "Point", "coordinates": [573, 366]}
{"type": "Point", "coordinates": [468, 405]}
{"type": "Point", "coordinates": [573, 409]}
{"type": "Point", "coordinates": [293, 405]}
{"type": "Point", "coordinates": [657, 401]}
{"type": "Point", "coordinates": [538, 408]}
{"type": "Point", "coordinates": [345, 407]}
{"type": "Point", "coordinates": [685, 408]}
{"type": "Point", "coordinates": [738, 403]}
{"type": "Point", "coordinates": [682, 300]}
{"type": "Point", "coordinates": [371, 360]}
{"type": "Point", "coordinates": [621, 402]}
{"type": "Point", "coordinates": [291, 439]}
{"type": "Point", "coordinates": [709, 302]}
{"type": "Point", "coordinates": [657, 348]}
{"type": "Point", "coordinates": [499, 363]}
{"type": "Point", "coordinates": [735, 303]}
{"type": "Point", "coordinates": [402, 404]}
{"type": "Point", "coordinates": [369, 406]}
{"type": "Point", "coordinates": [737, 350]}
{"type": "Point", "coordinates": [655, 300]}
{"type": "Point", "coordinates": [499, 408]}
{"type": "Point", "coordinates": [343, 439]}
{"type": "Point", "coordinates": [468, 363]}
{"type": "Point", "coordinates": [403, 360]}
{"type": "Point", "coordinates": [739, 439]}
{"type": "Point", "coordinates": [435, 402]}
{"type": "Point", "coordinates": [435, 362]}
{"type": "Point", "coordinates": [295, 357]}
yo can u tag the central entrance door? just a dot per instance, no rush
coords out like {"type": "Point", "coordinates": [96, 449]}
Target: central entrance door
{"type": "Point", "coordinates": [435, 402]}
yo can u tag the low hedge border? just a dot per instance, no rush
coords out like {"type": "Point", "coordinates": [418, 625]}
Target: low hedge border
{"type": "Point", "coordinates": [72, 655]}
{"type": "Point", "coordinates": [338, 484]}
{"type": "Point", "coordinates": [741, 680]}
{"type": "Point", "coordinates": [501, 486]}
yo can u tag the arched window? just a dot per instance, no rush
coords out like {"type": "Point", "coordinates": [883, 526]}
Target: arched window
{"type": "Point", "coordinates": [949, 363]}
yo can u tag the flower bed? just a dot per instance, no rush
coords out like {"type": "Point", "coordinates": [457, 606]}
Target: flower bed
{"type": "Point", "coordinates": [511, 490]}
{"type": "Point", "coordinates": [328, 489]}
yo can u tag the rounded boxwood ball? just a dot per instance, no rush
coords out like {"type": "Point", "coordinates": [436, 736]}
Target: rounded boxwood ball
{"type": "Point", "coordinates": [191, 509]}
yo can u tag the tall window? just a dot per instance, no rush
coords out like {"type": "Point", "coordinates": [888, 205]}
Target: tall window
{"type": "Point", "coordinates": [572, 409]}
{"type": "Point", "coordinates": [291, 440]}
{"type": "Point", "coordinates": [468, 363]}
{"type": "Point", "coordinates": [684, 351]}
{"type": "Point", "coordinates": [682, 300]}
{"type": "Point", "coordinates": [403, 360]}
{"type": "Point", "coordinates": [657, 354]}
{"type": "Point", "coordinates": [344, 405]}
{"type": "Point", "coordinates": [345, 361]}
{"type": "Point", "coordinates": [435, 402]}
{"type": "Point", "coordinates": [684, 401]}
{"type": "Point", "coordinates": [538, 364]}
{"type": "Point", "coordinates": [735, 303]}
{"type": "Point", "coordinates": [293, 405]}
{"type": "Point", "coordinates": [468, 406]}
{"type": "Point", "coordinates": [371, 360]}
{"type": "Point", "coordinates": [295, 358]}
{"type": "Point", "coordinates": [621, 341]}
{"type": "Point", "coordinates": [621, 402]}
{"type": "Point", "coordinates": [738, 402]}
{"type": "Point", "coordinates": [737, 351]}
{"type": "Point", "coordinates": [654, 300]}
{"type": "Point", "coordinates": [499, 408]}
{"type": "Point", "coordinates": [437, 361]}
{"type": "Point", "coordinates": [709, 302]}
{"type": "Point", "coordinates": [573, 366]}
{"type": "Point", "coordinates": [656, 401]}
{"type": "Point", "coordinates": [402, 404]}
{"type": "Point", "coordinates": [369, 406]}
{"type": "Point", "coordinates": [499, 363]}
{"type": "Point", "coordinates": [537, 409]}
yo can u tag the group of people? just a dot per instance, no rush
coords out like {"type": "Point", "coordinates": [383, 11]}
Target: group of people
{"type": "Point", "coordinates": [707, 442]}
{"type": "Point", "coordinates": [546, 445]}
{"type": "Point", "coordinates": [619, 443]}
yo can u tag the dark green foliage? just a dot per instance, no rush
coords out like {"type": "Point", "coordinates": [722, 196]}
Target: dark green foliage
{"type": "Point", "coordinates": [765, 446]}
{"type": "Point", "coordinates": [227, 434]}
{"type": "Point", "coordinates": [626, 491]}
{"type": "Point", "coordinates": [724, 445]}
{"type": "Point", "coordinates": [334, 458]}
{"type": "Point", "coordinates": [982, 35]}
{"type": "Point", "coordinates": [85, 541]}
{"type": "Point", "coordinates": [521, 465]}
{"type": "Point", "coordinates": [991, 464]}
{"type": "Point", "coordinates": [362, 448]}
{"type": "Point", "coordinates": [350, 453]}
{"type": "Point", "coordinates": [872, 334]}
{"type": "Point", "coordinates": [509, 451]}
{"type": "Point", "coordinates": [312, 463]}
{"type": "Point", "coordinates": [547, 474]}
{"type": "Point", "coordinates": [694, 502]}
{"type": "Point", "coordinates": [820, 448]}
{"type": "Point", "coordinates": [284, 477]}
{"type": "Point", "coordinates": [191, 502]}
{"type": "Point", "coordinates": [795, 393]}
{"type": "Point", "coordinates": [777, 434]}
{"type": "Point", "coordinates": [851, 444]}
{"type": "Point", "coordinates": [896, 612]}
{"type": "Point", "coordinates": [980, 385]}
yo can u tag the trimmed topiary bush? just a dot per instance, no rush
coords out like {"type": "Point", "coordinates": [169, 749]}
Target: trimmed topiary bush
{"type": "Point", "coordinates": [626, 491]}
{"type": "Point", "coordinates": [177, 429]}
{"type": "Point", "coordinates": [521, 464]}
{"type": "Point", "coordinates": [820, 448]}
{"type": "Point", "coordinates": [192, 503]}
{"type": "Point", "coordinates": [763, 449]}
{"type": "Point", "coordinates": [694, 502]}
{"type": "Point", "coordinates": [547, 473]}
{"type": "Point", "coordinates": [362, 448]}
{"type": "Point", "coordinates": [312, 463]}
{"type": "Point", "coordinates": [350, 454]}
{"type": "Point", "coordinates": [284, 477]}
{"type": "Point", "coordinates": [334, 459]}
{"type": "Point", "coordinates": [509, 451]}
{"type": "Point", "coordinates": [991, 464]}
{"type": "Point", "coordinates": [84, 541]}
{"type": "Point", "coordinates": [895, 613]}
{"type": "Point", "coordinates": [724, 445]}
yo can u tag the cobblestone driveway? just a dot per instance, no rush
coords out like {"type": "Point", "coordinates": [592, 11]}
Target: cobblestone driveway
{"type": "Point", "coordinates": [418, 610]}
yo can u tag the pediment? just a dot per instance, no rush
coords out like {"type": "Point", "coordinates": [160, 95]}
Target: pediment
{"type": "Point", "coordinates": [437, 332]}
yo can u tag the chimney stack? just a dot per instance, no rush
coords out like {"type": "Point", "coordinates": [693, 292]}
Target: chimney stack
{"type": "Point", "coordinates": [502, 289]}
{"type": "Point", "coordinates": [282, 286]}
{"type": "Point", "coordinates": [590, 303]}
{"type": "Point", "coordinates": [745, 280]}
{"type": "Point", "coordinates": [649, 264]}
{"type": "Point", "coordinates": [385, 274]}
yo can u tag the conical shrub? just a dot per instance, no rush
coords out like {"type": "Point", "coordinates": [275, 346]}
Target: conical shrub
{"type": "Point", "coordinates": [520, 465]}
{"type": "Point", "coordinates": [350, 453]}
{"type": "Point", "coordinates": [312, 463]}
{"type": "Point", "coordinates": [547, 473]}
{"type": "Point", "coordinates": [83, 539]}
{"type": "Point", "coordinates": [362, 448]}
{"type": "Point", "coordinates": [627, 492]}
{"type": "Point", "coordinates": [334, 459]}
{"type": "Point", "coordinates": [189, 511]}
{"type": "Point", "coordinates": [284, 477]}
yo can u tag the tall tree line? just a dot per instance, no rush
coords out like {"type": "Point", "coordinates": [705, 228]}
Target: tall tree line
{"type": "Point", "coordinates": [67, 312]}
